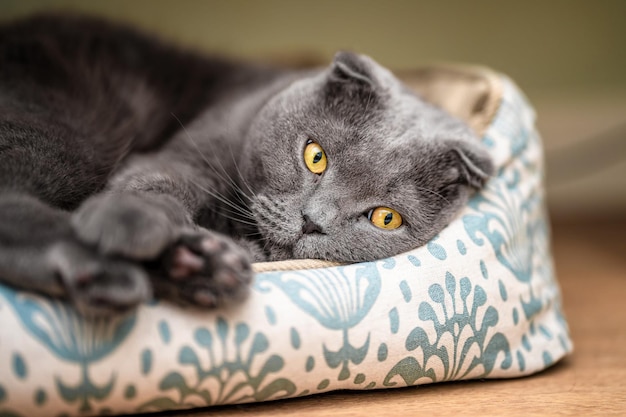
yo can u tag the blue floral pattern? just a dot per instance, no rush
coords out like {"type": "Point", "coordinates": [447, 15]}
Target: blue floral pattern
{"type": "Point", "coordinates": [336, 300]}
{"type": "Point", "coordinates": [459, 326]}
{"type": "Point", "coordinates": [478, 301]}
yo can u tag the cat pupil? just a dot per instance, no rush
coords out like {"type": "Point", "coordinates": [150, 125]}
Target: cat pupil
{"type": "Point", "coordinates": [317, 157]}
{"type": "Point", "coordinates": [388, 218]}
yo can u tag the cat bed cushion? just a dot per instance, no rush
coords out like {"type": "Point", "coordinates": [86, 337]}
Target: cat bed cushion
{"type": "Point", "coordinates": [478, 301]}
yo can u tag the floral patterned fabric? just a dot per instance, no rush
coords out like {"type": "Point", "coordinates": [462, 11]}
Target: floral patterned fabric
{"type": "Point", "coordinates": [478, 301]}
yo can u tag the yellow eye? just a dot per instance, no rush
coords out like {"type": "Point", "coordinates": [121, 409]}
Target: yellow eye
{"type": "Point", "coordinates": [315, 158]}
{"type": "Point", "coordinates": [385, 218]}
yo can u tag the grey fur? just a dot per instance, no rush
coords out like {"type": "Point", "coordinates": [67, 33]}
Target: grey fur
{"type": "Point", "coordinates": [118, 154]}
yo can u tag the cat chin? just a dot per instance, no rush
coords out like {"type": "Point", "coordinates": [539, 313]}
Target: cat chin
{"type": "Point", "coordinates": [280, 254]}
{"type": "Point", "coordinates": [302, 247]}
{"type": "Point", "coordinates": [319, 246]}
{"type": "Point", "coordinates": [308, 247]}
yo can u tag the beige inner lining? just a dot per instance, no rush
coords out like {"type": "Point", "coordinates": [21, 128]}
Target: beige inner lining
{"type": "Point", "coordinates": [470, 93]}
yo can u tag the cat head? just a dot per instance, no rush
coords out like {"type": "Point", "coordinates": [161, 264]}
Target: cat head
{"type": "Point", "coordinates": [349, 165]}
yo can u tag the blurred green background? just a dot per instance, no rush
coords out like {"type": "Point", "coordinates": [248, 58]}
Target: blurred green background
{"type": "Point", "coordinates": [569, 56]}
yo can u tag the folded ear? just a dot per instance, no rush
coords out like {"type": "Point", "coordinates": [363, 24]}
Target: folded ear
{"type": "Point", "coordinates": [474, 162]}
{"type": "Point", "coordinates": [348, 67]}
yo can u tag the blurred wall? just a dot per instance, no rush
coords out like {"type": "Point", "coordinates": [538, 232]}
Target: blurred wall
{"type": "Point", "coordinates": [569, 56]}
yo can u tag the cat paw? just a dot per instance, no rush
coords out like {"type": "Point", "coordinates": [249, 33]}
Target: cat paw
{"type": "Point", "coordinates": [203, 269]}
{"type": "Point", "coordinates": [96, 285]}
{"type": "Point", "coordinates": [134, 226]}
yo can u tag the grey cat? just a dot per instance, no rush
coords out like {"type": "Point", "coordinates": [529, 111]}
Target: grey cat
{"type": "Point", "coordinates": [131, 169]}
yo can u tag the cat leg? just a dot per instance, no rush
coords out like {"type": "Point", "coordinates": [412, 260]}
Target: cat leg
{"type": "Point", "coordinates": [148, 216]}
{"type": "Point", "coordinates": [39, 252]}
{"type": "Point", "coordinates": [47, 169]}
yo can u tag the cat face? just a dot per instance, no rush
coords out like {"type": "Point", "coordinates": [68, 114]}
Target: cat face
{"type": "Point", "coordinates": [349, 165]}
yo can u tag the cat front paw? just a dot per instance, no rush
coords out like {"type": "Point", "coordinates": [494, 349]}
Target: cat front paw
{"type": "Point", "coordinates": [203, 269]}
{"type": "Point", "coordinates": [134, 226]}
{"type": "Point", "coordinates": [97, 285]}
{"type": "Point", "coordinates": [187, 266]}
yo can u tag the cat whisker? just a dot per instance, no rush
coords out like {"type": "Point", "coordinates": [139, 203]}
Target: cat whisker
{"type": "Point", "coordinates": [367, 103]}
{"type": "Point", "coordinates": [227, 177]}
{"type": "Point", "coordinates": [239, 174]}
{"type": "Point", "coordinates": [235, 219]}
{"type": "Point", "coordinates": [434, 193]}
{"type": "Point", "coordinates": [241, 177]}
{"type": "Point", "coordinates": [241, 219]}
{"type": "Point", "coordinates": [266, 243]}
{"type": "Point", "coordinates": [238, 209]}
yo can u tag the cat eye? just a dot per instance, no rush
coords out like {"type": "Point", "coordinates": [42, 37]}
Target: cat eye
{"type": "Point", "coordinates": [315, 157]}
{"type": "Point", "coordinates": [385, 218]}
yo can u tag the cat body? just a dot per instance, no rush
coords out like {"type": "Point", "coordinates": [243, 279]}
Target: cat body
{"type": "Point", "coordinates": [130, 168]}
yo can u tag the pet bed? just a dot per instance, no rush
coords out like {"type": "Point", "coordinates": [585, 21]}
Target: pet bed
{"type": "Point", "coordinates": [478, 301]}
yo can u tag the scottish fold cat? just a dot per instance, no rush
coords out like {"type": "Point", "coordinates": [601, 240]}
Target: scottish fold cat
{"type": "Point", "coordinates": [131, 169]}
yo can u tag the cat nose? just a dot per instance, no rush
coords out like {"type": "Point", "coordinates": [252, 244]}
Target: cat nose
{"type": "Point", "coordinates": [310, 226]}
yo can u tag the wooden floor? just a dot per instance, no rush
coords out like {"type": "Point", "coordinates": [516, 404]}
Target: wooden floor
{"type": "Point", "coordinates": [591, 266]}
